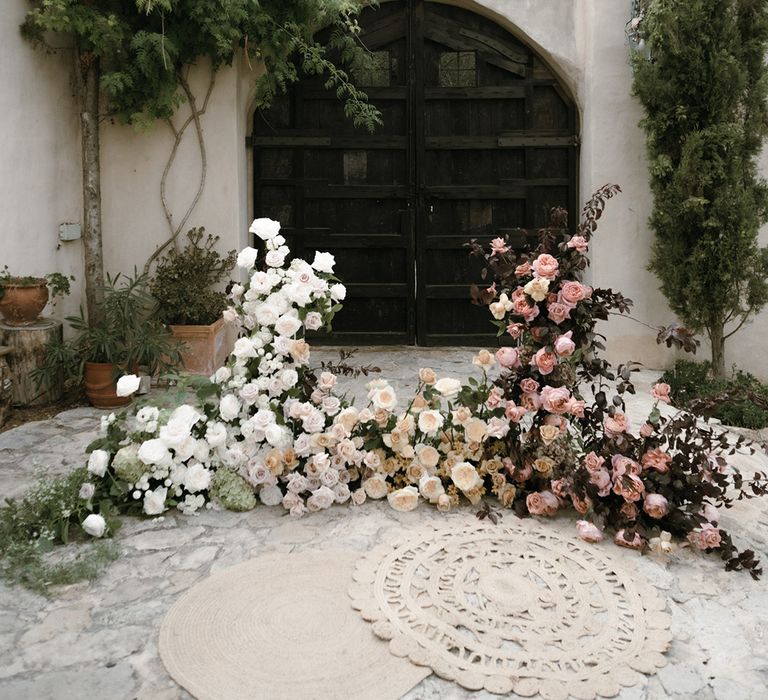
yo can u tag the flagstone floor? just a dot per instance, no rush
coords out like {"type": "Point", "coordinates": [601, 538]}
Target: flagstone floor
{"type": "Point", "coordinates": [99, 639]}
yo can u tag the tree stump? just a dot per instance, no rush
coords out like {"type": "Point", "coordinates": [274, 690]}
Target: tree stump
{"type": "Point", "coordinates": [27, 344]}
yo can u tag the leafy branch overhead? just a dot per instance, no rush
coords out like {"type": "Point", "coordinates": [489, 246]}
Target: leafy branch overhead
{"type": "Point", "coordinates": [145, 47]}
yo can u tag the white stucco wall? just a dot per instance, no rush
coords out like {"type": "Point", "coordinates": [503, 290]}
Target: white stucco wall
{"type": "Point", "coordinates": [583, 40]}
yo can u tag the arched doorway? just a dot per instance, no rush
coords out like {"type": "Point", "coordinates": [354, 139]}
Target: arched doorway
{"type": "Point", "coordinates": [479, 139]}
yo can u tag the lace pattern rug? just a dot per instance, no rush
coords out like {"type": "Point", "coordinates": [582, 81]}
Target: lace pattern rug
{"type": "Point", "coordinates": [513, 607]}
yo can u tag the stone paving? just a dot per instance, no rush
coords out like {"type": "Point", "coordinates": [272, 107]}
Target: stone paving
{"type": "Point", "coordinates": [99, 639]}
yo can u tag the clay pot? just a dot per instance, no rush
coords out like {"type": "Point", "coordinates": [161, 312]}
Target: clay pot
{"type": "Point", "coordinates": [100, 386]}
{"type": "Point", "coordinates": [21, 305]}
{"type": "Point", "coordinates": [204, 348]}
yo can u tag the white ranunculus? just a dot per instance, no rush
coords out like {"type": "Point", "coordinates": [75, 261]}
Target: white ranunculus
{"type": "Point", "coordinates": [216, 434]}
{"type": "Point", "coordinates": [95, 525]}
{"type": "Point", "coordinates": [313, 321]}
{"type": "Point", "coordinates": [98, 462]}
{"type": "Point", "coordinates": [229, 407]}
{"type": "Point", "coordinates": [154, 500]}
{"type": "Point", "coordinates": [431, 487]}
{"type": "Point", "coordinates": [246, 258]}
{"type": "Point", "coordinates": [376, 487]}
{"type": "Point", "coordinates": [271, 496]}
{"type": "Point", "coordinates": [243, 348]}
{"type": "Point", "coordinates": [287, 324]}
{"type": "Point", "coordinates": [323, 262]}
{"type": "Point", "coordinates": [430, 421]}
{"type": "Point", "coordinates": [153, 452]}
{"type": "Point", "coordinates": [448, 387]}
{"type": "Point", "coordinates": [404, 499]}
{"type": "Point", "coordinates": [465, 476]}
{"type": "Point", "coordinates": [127, 384]}
{"type": "Point", "coordinates": [265, 228]}
{"type": "Point", "coordinates": [338, 292]}
{"type": "Point", "coordinates": [197, 478]}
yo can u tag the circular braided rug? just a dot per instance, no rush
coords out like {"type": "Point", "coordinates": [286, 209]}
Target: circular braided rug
{"type": "Point", "coordinates": [513, 607]}
{"type": "Point", "coordinates": [280, 626]}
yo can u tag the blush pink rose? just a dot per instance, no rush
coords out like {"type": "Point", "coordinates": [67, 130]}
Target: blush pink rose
{"type": "Point", "coordinates": [514, 413]}
{"type": "Point", "coordinates": [646, 430]}
{"type": "Point", "coordinates": [710, 513]}
{"type": "Point", "coordinates": [576, 407]}
{"type": "Point", "coordinates": [624, 465]}
{"type": "Point", "coordinates": [543, 503]}
{"type": "Point", "coordinates": [499, 246]}
{"type": "Point", "coordinates": [523, 270]}
{"type": "Point", "coordinates": [558, 312]}
{"type": "Point", "coordinates": [593, 462]}
{"type": "Point", "coordinates": [629, 487]}
{"type": "Point", "coordinates": [636, 542]}
{"type": "Point", "coordinates": [656, 505]}
{"type": "Point", "coordinates": [660, 392]}
{"type": "Point", "coordinates": [564, 346]}
{"type": "Point", "coordinates": [581, 505]}
{"type": "Point", "coordinates": [616, 424]}
{"type": "Point", "coordinates": [657, 459]}
{"type": "Point", "coordinates": [544, 361]}
{"type": "Point", "coordinates": [529, 386]}
{"type": "Point", "coordinates": [572, 292]}
{"type": "Point", "coordinates": [602, 479]}
{"type": "Point", "coordinates": [579, 243]}
{"type": "Point", "coordinates": [545, 266]}
{"type": "Point", "coordinates": [588, 531]}
{"type": "Point", "coordinates": [520, 474]}
{"type": "Point", "coordinates": [515, 330]}
{"type": "Point", "coordinates": [508, 357]}
{"type": "Point", "coordinates": [555, 400]}
{"type": "Point", "coordinates": [560, 487]}
{"type": "Point", "coordinates": [706, 537]}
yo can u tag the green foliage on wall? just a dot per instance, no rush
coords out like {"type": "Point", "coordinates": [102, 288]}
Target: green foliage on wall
{"type": "Point", "coordinates": [703, 85]}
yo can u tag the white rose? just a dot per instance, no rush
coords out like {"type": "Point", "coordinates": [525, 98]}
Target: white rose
{"type": "Point", "coordinates": [330, 405]}
{"type": "Point", "coordinates": [246, 258]}
{"type": "Point", "coordinates": [465, 476]}
{"type": "Point", "coordinates": [243, 348]}
{"type": "Point", "coordinates": [430, 421]}
{"type": "Point", "coordinates": [338, 292]}
{"type": "Point", "coordinates": [146, 415]}
{"type": "Point", "coordinates": [154, 501]}
{"type": "Point", "coordinates": [404, 499]}
{"type": "Point", "coordinates": [271, 496]}
{"type": "Point", "coordinates": [287, 325]}
{"type": "Point", "coordinates": [358, 497]}
{"type": "Point", "coordinates": [448, 387]}
{"type": "Point", "coordinates": [384, 398]}
{"type": "Point", "coordinates": [497, 427]}
{"type": "Point", "coordinates": [289, 378]}
{"type": "Point", "coordinates": [229, 315]}
{"type": "Point", "coordinates": [314, 422]}
{"type": "Point", "coordinates": [323, 262]}
{"type": "Point", "coordinates": [321, 499]}
{"type": "Point", "coordinates": [229, 407]}
{"type": "Point", "coordinates": [197, 478]}
{"type": "Point", "coordinates": [86, 491]}
{"type": "Point", "coordinates": [174, 433]}
{"type": "Point", "coordinates": [313, 321]}
{"type": "Point", "coordinates": [249, 393]}
{"type": "Point", "coordinates": [277, 435]}
{"type": "Point", "coordinates": [376, 486]}
{"type": "Point", "coordinates": [98, 462]}
{"type": "Point", "coordinates": [265, 228]}
{"type": "Point", "coordinates": [222, 374]}
{"type": "Point", "coordinates": [153, 452]}
{"type": "Point", "coordinates": [475, 430]}
{"type": "Point", "coordinates": [187, 415]}
{"type": "Point", "coordinates": [216, 434]}
{"type": "Point", "coordinates": [431, 488]}
{"type": "Point", "coordinates": [266, 315]}
{"type": "Point", "coordinates": [127, 384]}
{"type": "Point", "coordinates": [95, 525]}
{"type": "Point", "coordinates": [428, 456]}
{"type": "Point", "coordinates": [275, 258]}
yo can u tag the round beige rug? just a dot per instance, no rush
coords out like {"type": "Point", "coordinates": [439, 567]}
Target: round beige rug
{"type": "Point", "coordinates": [280, 626]}
{"type": "Point", "coordinates": [514, 607]}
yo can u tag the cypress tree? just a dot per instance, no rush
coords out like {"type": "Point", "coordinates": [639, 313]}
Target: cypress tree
{"type": "Point", "coordinates": [703, 84]}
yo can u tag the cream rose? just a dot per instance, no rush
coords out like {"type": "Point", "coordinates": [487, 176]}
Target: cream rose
{"type": "Point", "coordinates": [448, 387]}
{"type": "Point", "coordinates": [376, 487]}
{"type": "Point", "coordinates": [537, 288]}
{"type": "Point", "coordinates": [431, 488]}
{"type": "Point", "coordinates": [95, 525]}
{"type": "Point", "coordinates": [430, 421]}
{"type": "Point", "coordinates": [404, 499]}
{"type": "Point", "coordinates": [475, 430]}
{"type": "Point", "coordinates": [465, 476]}
{"type": "Point", "coordinates": [98, 461]}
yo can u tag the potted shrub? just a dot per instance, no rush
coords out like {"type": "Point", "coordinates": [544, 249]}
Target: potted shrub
{"type": "Point", "coordinates": [185, 286]}
{"type": "Point", "coordinates": [130, 337]}
{"type": "Point", "coordinates": [22, 298]}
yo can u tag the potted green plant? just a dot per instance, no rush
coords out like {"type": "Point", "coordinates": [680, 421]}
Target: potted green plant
{"type": "Point", "coordinates": [187, 286]}
{"type": "Point", "coordinates": [130, 337]}
{"type": "Point", "coordinates": [23, 297]}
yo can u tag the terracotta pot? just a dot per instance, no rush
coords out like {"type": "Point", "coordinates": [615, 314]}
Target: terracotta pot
{"type": "Point", "coordinates": [206, 348]}
{"type": "Point", "coordinates": [100, 386]}
{"type": "Point", "coordinates": [21, 305]}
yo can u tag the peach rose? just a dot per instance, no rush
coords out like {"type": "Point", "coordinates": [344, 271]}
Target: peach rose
{"type": "Point", "coordinates": [660, 392]}
{"type": "Point", "coordinates": [484, 360]}
{"type": "Point", "coordinates": [427, 375]}
{"type": "Point", "coordinates": [544, 465]}
{"type": "Point", "coordinates": [657, 459]}
{"type": "Point", "coordinates": [593, 462]}
{"type": "Point", "coordinates": [530, 402]}
{"type": "Point", "coordinates": [578, 243]}
{"type": "Point", "coordinates": [560, 487]}
{"type": "Point", "coordinates": [616, 424]}
{"type": "Point", "coordinates": [507, 495]}
{"type": "Point", "coordinates": [576, 407]}
{"type": "Point", "coordinates": [523, 270]}
{"type": "Point", "coordinates": [572, 292]}
{"type": "Point", "coordinates": [624, 465]}
{"type": "Point", "coordinates": [555, 399]}
{"type": "Point", "coordinates": [444, 503]}
{"type": "Point", "coordinates": [376, 487]}
{"type": "Point", "coordinates": [499, 246]}
{"type": "Point", "coordinates": [545, 266]}
{"type": "Point", "coordinates": [656, 505]}
{"type": "Point", "coordinates": [629, 487]}
{"type": "Point", "coordinates": [508, 357]}
{"type": "Point", "coordinates": [706, 537]}
{"type": "Point", "coordinates": [514, 413]}
{"type": "Point", "coordinates": [515, 330]}
{"type": "Point", "coordinates": [564, 346]}
{"type": "Point", "coordinates": [529, 386]}
{"type": "Point", "coordinates": [549, 433]}
{"type": "Point", "coordinates": [544, 361]}
{"type": "Point", "coordinates": [521, 474]}
{"type": "Point", "coordinates": [558, 312]}
{"type": "Point", "coordinates": [588, 531]}
{"type": "Point", "coordinates": [629, 511]}
{"type": "Point", "coordinates": [635, 542]}
{"type": "Point", "coordinates": [581, 505]}
{"type": "Point", "coordinates": [646, 430]}
{"type": "Point", "coordinates": [543, 503]}
{"type": "Point", "coordinates": [465, 476]}
{"type": "Point", "coordinates": [300, 351]}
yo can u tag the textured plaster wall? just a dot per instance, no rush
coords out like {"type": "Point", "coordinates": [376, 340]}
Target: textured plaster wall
{"type": "Point", "coordinates": [583, 40]}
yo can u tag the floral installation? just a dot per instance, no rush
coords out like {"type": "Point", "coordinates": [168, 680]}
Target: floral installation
{"type": "Point", "coordinates": [536, 430]}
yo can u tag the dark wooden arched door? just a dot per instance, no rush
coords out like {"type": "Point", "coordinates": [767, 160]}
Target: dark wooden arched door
{"type": "Point", "coordinates": [479, 139]}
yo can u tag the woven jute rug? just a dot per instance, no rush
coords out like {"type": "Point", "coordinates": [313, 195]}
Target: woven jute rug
{"type": "Point", "coordinates": [280, 626]}
{"type": "Point", "coordinates": [513, 607]}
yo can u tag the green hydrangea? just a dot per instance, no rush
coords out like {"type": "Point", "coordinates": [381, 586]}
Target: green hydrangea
{"type": "Point", "coordinates": [232, 491]}
{"type": "Point", "coordinates": [127, 464]}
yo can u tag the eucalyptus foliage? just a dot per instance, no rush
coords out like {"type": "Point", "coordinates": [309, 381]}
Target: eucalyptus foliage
{"type": "Point", "coordinates": [703, 84]}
